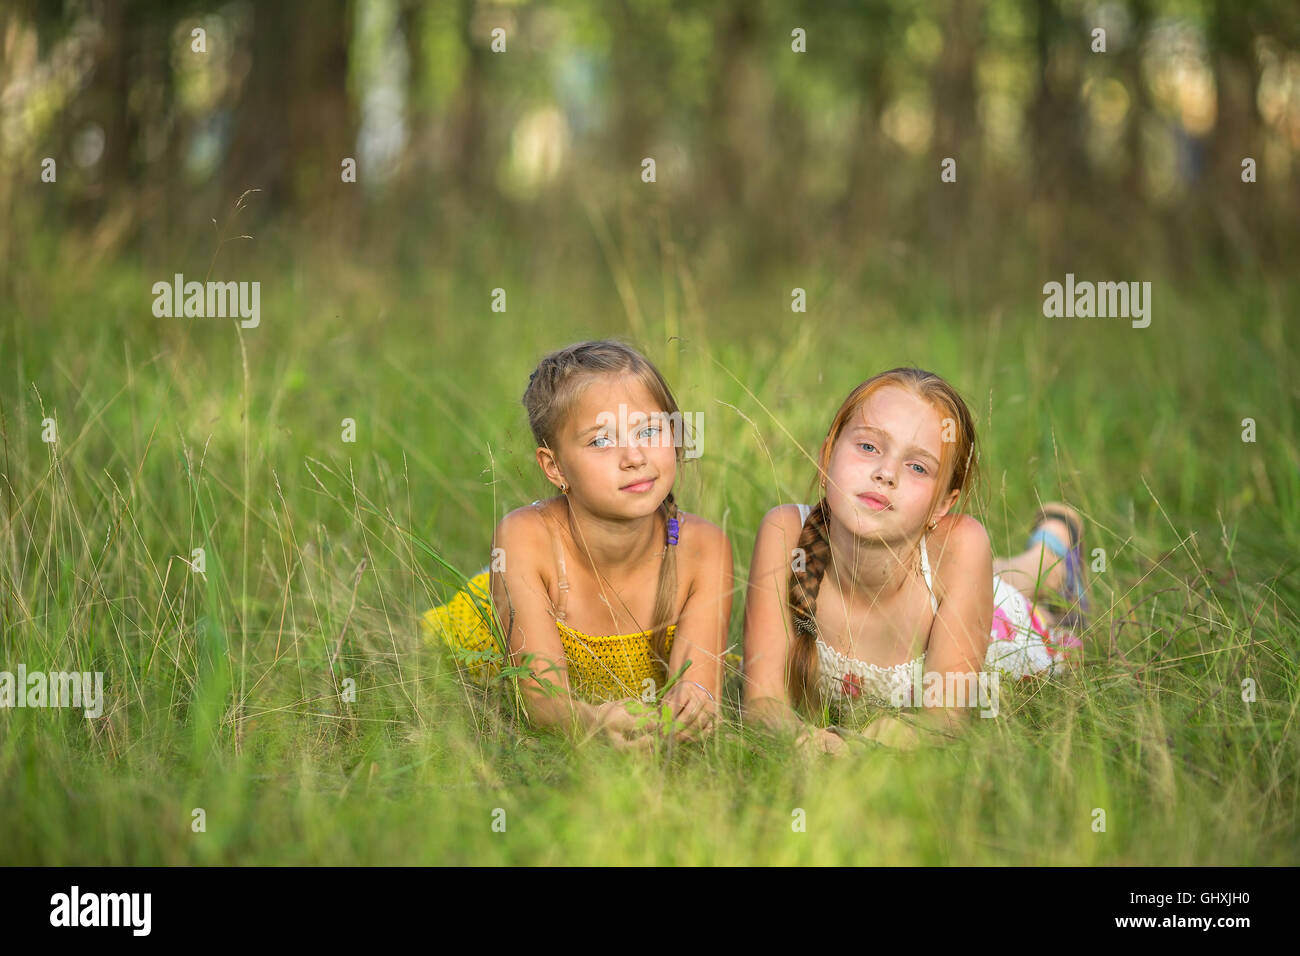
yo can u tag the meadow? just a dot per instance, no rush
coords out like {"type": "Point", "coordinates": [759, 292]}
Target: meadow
{"type": "Point", "coordinates": [227, 698]}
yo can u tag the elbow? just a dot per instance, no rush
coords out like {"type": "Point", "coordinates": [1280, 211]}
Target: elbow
{"type": "Point", "coordinates": [544, 706]}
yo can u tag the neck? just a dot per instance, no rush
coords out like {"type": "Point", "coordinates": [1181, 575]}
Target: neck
{"type": "Point", "coordinates": [869, 570]}
{"type": "Point", "coordinates": [613, 546]}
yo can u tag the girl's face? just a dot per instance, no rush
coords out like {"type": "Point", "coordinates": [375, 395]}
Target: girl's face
{"type": "Point", "coordinates": [616, 449]}
{"type": "Point", "coordinates": [884, 467]}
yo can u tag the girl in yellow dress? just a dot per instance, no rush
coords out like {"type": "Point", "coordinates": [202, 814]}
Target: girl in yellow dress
{"type": "Point", "coordinates": [607, 590]}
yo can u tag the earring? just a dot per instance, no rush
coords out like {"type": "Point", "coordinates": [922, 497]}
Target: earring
{"type": "Point", "coordinates": [564, 488]}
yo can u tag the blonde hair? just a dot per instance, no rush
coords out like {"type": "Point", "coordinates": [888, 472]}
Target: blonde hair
{"type": "Point", "coordinates": [553, 391]}
{"type": "Point", "coordinates": [957, 471]}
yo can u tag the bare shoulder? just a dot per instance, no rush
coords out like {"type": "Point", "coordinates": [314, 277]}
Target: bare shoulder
{"type": "Point", "coordinates": [778, 532]}
{"type": "Point", "coordinates": [522, 531]}
{"type": "Point", "coordinates": [783, 520]}
{"type": "Point", "coordinates": [700, 541]}
{"type": "Point", "coordinates": [958, 548]}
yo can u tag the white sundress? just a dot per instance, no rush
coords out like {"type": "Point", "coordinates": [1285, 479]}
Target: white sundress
{"type": "Point", "coordinates": [1018, 649]}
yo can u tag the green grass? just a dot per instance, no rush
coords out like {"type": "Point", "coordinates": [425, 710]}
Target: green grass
{"type": "Point", "coordinates": [223, 690]}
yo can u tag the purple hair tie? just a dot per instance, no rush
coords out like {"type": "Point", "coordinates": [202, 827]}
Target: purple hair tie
{"type": "Point", "coordinates": [672, 530]}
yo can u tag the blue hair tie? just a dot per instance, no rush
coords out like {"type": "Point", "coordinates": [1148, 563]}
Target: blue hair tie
{"type": "Point", "coordinates": [672, 530]}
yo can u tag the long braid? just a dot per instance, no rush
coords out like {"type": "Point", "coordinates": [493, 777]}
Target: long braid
{"type": "Point", "coordinates": [665, 591]}
{"type": "Point", "coordinates": [805, 582]}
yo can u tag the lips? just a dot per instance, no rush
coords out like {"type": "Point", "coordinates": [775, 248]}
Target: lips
{"type": "Point", "coordinates": [879, 502]}
{"type": "Point", "coordinates": [644, 484]}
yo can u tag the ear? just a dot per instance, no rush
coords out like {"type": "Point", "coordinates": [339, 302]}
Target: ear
{"type": "Point", "coordinates": [945, 504]}
{"type": "Point", "coordinates": [550, 466]}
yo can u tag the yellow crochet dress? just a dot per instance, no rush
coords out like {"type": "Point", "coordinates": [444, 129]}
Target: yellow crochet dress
{"type": "Point", "coordinates": [600, 668]}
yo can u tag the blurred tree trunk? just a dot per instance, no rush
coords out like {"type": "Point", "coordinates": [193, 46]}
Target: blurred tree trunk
{"type": "Point", "coordinates": [1236, 133]}
{"type": "Point", "coordinates": [1055, 124]}
{"type": "Point", "coordinates": [116, 54]}
{"type": "Point", "coordinates": [953, 83]}
{"type": "Point", "coordinates": [415, 158]}
{"type": "Point", "coordinates": [1139, 103]}
{"type": "Point", "coordinates": [955, 131]}
{"type": "Point", "coordinates": [630, 69]}
{"type": "Point", "coordinates": [470, 168]}
{"type": "Point", "coordinates": [738, 118]}
{"type": "Point", "coordinates": [866, 205]}
{"type": "Point", "coordinates": [296, 122]}
{"type": "Point", "coordinates": [733, 34]}
{"type": "Point", "coordinates": [161, 171]}
{"type": "Point", "coordinates": [142, 162]}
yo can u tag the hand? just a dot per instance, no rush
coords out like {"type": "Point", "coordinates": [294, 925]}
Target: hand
{"type": "Point", "coordinates": [892, 732]}
{"type": "Point", "coordinates": [628, 724]}
{"type": "Point", "coordinates": [692, 711]}
{"type": "Point", "coordinates": [818, 740]}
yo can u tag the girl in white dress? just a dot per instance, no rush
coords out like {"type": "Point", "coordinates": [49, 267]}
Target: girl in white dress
{"type": "Point", "coordinates": [854, 597]}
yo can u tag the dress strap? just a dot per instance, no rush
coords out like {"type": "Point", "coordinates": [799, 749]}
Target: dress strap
{"type": "Point", "coordinates": [804, 511]}
{"type": "Point", "coordinates": [558, 550]}
{"type": "Point", "coordinates": [925, 570]}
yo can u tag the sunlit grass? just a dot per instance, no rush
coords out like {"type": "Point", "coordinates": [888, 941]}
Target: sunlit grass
{"type": "Point", "coordinates": [225, 691]}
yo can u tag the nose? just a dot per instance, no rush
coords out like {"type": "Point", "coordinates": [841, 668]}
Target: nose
{"type": "Point", "coordinates": [633, 456]}
{"type": "Point", "coordinates": [885, 471]}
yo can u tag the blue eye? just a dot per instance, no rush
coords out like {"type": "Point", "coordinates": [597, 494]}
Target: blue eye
{"type": "Point", "coordinates": [920, 469]}
{"type": "Point", "coordinates": [600, 438]}
{"type": "Point", "coordinates": [650, 429]}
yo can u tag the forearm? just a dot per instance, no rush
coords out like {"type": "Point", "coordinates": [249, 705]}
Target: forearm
{"type": "Point", "coordinates": [697, 680]}
{"type": "Point", "coordinates": [561, 711]}
{"type": "Point", "coordinates": [702, 666]}
{"type": "Point", "coordinates": [948, 721]}
{"type": "Point", "coordinates": [773, 713]}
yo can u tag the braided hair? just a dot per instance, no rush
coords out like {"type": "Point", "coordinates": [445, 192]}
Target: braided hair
{"type": "Point", "coordinates": [805, 582]}
{"type": "Point", "coordinates": [666, 589]}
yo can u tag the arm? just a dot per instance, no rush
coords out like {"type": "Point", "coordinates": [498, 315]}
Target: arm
{"type": "Point", "coordinates": [959, 637]}
{"type": "Point", "coordinates": [521, 597]}
{"type": "Point", "coordinates": [768, 626]}
{"type": "Point", "coordinates": [701, 635]}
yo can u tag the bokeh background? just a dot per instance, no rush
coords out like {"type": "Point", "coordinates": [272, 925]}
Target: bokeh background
{"type": "Point", "coordinates": [1064, 152]}
{"type": "Point", "coordinates": [520, 169]}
